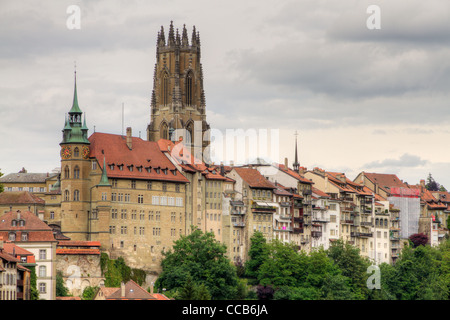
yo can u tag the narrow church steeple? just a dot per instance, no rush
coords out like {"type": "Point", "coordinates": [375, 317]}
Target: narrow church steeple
{"type": "Point", "coordinates": [296, 164]}
{"type": "Point", "coordinates": [74, 130]}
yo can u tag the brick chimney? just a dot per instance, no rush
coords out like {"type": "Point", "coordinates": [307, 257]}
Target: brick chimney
{"type": "Point", "coordinates": [129, 138]}
{"type": "Point", "coordinates": [122, 289]}
{"type": "Point", "coordinates": [286, 163]}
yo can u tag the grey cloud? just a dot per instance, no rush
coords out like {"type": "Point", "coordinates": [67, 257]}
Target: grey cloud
{"type": "Point", "coordinates": [406, 160]}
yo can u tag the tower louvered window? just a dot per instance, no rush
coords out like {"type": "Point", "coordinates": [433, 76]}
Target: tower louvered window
{"type": "Point", "coordinates": [189, 89]}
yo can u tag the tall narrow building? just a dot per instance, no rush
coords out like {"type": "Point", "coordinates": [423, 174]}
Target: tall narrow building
{"type": "Point", "coordinates": [178, 97]}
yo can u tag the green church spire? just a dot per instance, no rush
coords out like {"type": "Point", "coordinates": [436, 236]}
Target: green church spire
{"type": "Point", "coordinates": [104, 179]}
{"type": "Point", "coordinates": [74, 131]}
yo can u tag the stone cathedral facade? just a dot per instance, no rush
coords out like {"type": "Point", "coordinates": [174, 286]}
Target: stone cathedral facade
{"type": "Point", "coordinates": [178, 105]}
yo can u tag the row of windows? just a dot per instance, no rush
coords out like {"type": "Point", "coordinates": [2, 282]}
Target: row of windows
{"type": "Point", "coordinates": [30, 189]}
{"type": "Point", "coordinates": [8, 295]}
{"type": "Point", "coordinates": [152, 216]}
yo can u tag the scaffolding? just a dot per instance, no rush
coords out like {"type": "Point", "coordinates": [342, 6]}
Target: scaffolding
{"type": "Point", "coordinates": [408, 201]}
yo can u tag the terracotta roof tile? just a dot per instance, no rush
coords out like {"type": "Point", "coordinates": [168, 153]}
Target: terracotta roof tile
{"type": "Point", "coordinates": [254, 178]}
{"type": "Point", "coordinates": [20, 197]}
{"type": "Point", "coordinates": [142, 155]}
{"type": "Point", "coordinates": [293, 174]}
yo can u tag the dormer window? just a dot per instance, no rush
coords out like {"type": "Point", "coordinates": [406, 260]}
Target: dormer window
{"type": "Point", "coordinates": [149, 169]}
{"type": "Point", "coordinates": [21, 223]}
{"type": "Point", "coordinates": [24, 237]}
{"type": "Point", "coordinates": [165, 171]}
{"type": "Point", "coordinates": [130, 168]}
{"type": "Point", "coordinates": [157, 170]}
{"type": "Point", "coordinates": [111, 166]}
{"type": "Point", "coordinates": [121, 167]}
{"type": "Point", "coordinates": [14, 223]}
{"type": "Point", "coordinates": [139, 168]}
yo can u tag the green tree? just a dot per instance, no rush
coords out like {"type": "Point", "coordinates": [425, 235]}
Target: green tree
{"type": "Point", "coordinates": [352, 265]}
{"type": "Point", "coordinates": [431, 184]}
{"type": "Point", "coordinates": [61, 289]}
{"type": "Point", "coordinates": [258, 254]}
{"type": "Point", "coordinates": [336, 287]}
{"type": "Point", "coordinates": [204, 258]}
{"type": "Point", "coordinates": [284, 266]}
{"type": "Point", "coordinates": [89, 293]}
{"type": "Point", "coordinates": [34, 294]}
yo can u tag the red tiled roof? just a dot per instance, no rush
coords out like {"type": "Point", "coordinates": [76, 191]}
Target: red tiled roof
{"type": "Point", "coordinates": [78, 251]}
{"type": "Point", "coordinates": [143, 154]}
{"type": "Point", "coordinates": [320, 193]}
{"type": "Point", "coordinates": [293, 174]}
{"type": "Point", "coordinates": [72, 243]}
{"type": "Point", "coordinates": [20, 197]}
{"type": "Point", "coordinates": [36, 229]}
{"type": "Point", "coordinates": [385, 180]}
{"type": "Point", "coordinates": [254, 178]}
{"type": "Point", "coordinates": [133, 291]}
{"type": "Point", "coordinates": [160, 296]}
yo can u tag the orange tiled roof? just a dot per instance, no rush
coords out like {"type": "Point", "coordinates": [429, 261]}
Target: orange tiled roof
{"type": "Point", "coordinates": [254, 178]}
{"type": "Point", "coordinates": [36, 229]}
{"type": "Point", "coordinates": [72, 243]}
{"type": "Point", "coordinates": [385, 180]}
{"type": "Point", "coordinates": [143, 154]}
{"type": "Point", "coordinates": [293, 174]}
{"type": "Point", "coordinates": [20, 197]}
{"type": "Point", "coordinates": [78, 251]}
{"type": "Point", "coordinates": [320, 193]}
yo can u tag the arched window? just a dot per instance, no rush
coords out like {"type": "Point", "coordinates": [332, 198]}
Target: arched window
{"type": "Point", "coordinates": [76, 152]}
{"type": "Point", "coordinates": [165, 89]}
{"type": "Point", "coordinates": [189, 134]}
{"type": "Point", "coordinates": [76, 173]}
{"type": "Point", "coordinates": [164, 131]}
{"type": "Point", "coordinates": [76, 195]}
{"type": "Point", "coordinates": [66, 172]}
{"type": "Point", "coordinates": [66, 195]}
{"type": "Point", "coordinates": [189, 88]}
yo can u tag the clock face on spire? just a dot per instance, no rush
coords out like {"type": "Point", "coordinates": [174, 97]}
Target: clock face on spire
{"type": "Point", "coordinates": [85, 152]}
{"type": "Point", "coordinates": [66, 152]}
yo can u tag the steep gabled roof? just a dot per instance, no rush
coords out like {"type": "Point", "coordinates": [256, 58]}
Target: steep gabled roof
{"type": "Point", "coordinates": [20, 197]}
{"type": "Point", "coordinates": [254, 178]}
{"type": "Point", "coordinates": [143, 154]}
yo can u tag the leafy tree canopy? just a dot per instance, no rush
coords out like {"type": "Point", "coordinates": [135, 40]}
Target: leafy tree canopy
{"type": "Point", "coordinates": [202, 257]}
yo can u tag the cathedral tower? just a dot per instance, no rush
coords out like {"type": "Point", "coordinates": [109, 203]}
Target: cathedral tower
{"type": "Point", "coordinates": [178, 97]}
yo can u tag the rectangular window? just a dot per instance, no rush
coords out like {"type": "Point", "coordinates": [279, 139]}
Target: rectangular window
{"type": "Point", "coordinates": [42, 287]}
{"type": "Point", "coordinates": [42, 254]}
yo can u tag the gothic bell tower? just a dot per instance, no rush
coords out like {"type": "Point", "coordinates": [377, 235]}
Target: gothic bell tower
{"type": "Point", "coordinates": [178, 97]}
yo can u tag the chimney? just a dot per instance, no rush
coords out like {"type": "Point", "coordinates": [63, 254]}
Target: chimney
{"type": "Point", "coordinates": [286, 163]}
{"type": "Point", "coordinates": [129, 138]}
{"type": "Point", "coordinates": [122, 289]}
{"type": "Point", "coordinates": [222, 169]}
{"type": "Point", "coordinates": [1, 244]}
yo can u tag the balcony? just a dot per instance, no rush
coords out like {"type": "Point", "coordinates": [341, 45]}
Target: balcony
{"type": "Point", "coordinates": [285, 204]}
{"type": "Point", "coordinates": [307, 192]}
{"type": "Point", "coordinates": [316, 234]}
{"type": "Point", "coordinates": [298, 230]}
{"type": "Point", "coordinates": [298, 219]}
{"type": "Point", "coordinates": [239, 224]}
{"type": "Point", "coordinates": [347, 221]}
{"type": "Point", "coordinates": [263, 209]}
{"type": "Point", "coordinates": [361, 234]}
{"type": "Point", "coordinates": [298, 204]}
{"type": "Point", "coordinates": [321, 219]}
{"type": "Point", "coordinates": [236, 212]}
{"type": "Point", "coordinates": [286, 229]}
{"type": "Point", "coordinates": [366, 224]}
{"type": "Point", "coordinates": [285, 218]}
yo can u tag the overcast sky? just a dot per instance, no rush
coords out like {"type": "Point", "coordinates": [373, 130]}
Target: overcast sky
{"type": "Point", "coordinates": [360, 99]}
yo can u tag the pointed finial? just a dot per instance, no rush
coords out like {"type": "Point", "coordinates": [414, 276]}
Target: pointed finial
{"type": "Point", "coordinates": [194, 37]}
{"type": "Point", "coordinates": [185, 41]}
{"type": "Point", "coordinates": [296, 164]}
{"type": "Point", "coordinates": [171, 40]}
